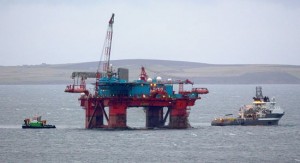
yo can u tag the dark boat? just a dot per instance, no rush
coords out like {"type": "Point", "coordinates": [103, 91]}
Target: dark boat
{"type": "Point", "coordinates": [262, 111]}
{"type": "Point", "coordinates": [36, 123]}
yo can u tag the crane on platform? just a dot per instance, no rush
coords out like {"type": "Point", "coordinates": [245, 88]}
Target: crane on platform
{"type": "Point", "coordinates": [143, 74]}
{"type": "Point", "coordinates": [106, 68]}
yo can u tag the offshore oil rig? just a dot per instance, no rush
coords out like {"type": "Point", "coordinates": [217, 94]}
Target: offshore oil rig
{"type": "Point", "coordinates": [113, 90]}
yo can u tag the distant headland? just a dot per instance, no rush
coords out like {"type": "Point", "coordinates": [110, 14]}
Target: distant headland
{"type": "Point", "coordinates": [200, 73]}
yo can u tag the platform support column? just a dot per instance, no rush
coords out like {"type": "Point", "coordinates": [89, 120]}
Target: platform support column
{"type": "Point", "coordinates": [154, 117]}
{"type": "Point", "coordinates": [117, 115]}
{"type": "Point", "coordinates": [93, 114]}
{"type": "Point", "coordinates": [179, 115]}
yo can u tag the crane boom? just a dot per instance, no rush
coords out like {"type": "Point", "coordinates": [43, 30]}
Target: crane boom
{"type": "Point", "coordinates": [107, 47]}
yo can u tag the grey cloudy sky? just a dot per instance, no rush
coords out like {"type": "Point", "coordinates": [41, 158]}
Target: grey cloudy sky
{"type": "Point", "coordinates": [207, 31]}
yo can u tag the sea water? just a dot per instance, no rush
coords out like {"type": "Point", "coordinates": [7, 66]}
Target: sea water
{"type": "Point", "coordinates": [71, 142]}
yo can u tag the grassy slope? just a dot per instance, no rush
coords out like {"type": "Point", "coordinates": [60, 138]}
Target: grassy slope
{"type": "Point", "coordinates": [199, 72]}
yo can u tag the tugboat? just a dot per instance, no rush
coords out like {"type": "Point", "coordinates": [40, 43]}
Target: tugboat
{"type": "Point", "coordinates": [261, 112]}
{"type": "Point", "coordinates": [36, 122]}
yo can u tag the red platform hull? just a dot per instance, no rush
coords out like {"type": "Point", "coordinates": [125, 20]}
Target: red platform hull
{"type": "Point", "coordinates": [117, 107]}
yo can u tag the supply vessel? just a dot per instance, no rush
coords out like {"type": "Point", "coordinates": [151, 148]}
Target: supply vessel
{"type": "Point", "coordinates": [36, 122]}
{"type": "Point", "coordinates": [263, 111]}
{"type": "Point", "coordinates": [106, 105]}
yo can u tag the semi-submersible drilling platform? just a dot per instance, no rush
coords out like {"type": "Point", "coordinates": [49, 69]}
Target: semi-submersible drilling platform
{"type": "Point", "coordinates": [113, 90]}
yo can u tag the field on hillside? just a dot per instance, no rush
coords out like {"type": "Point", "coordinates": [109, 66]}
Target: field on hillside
{"type": "Point", "coordinates": [198, 72]}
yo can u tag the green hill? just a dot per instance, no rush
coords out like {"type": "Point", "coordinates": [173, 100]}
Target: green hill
{"type": "Point", "coordinates": [197, 72]}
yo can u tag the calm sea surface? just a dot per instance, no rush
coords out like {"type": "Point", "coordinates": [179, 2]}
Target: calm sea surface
{"type": "Point", "coordinates": [71, 142]}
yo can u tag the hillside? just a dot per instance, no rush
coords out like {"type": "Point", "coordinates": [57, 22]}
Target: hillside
{"type": "Point", "coordinates": [197, 72]}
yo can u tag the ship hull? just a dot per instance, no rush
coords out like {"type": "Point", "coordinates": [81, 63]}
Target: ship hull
{"type": "Point", "coordinates": [270, 119]}
{"type": "Point", "coordinates": [38, 127]}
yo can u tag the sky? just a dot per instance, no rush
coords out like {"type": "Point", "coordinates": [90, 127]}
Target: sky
{"type": "Point", "coordinates": [33, 32]}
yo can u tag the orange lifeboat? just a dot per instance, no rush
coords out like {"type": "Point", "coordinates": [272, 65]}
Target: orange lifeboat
{"type": "Point", "coordinates": [75, 88]}
{"type": "Point", "coordinates": [200, 90]}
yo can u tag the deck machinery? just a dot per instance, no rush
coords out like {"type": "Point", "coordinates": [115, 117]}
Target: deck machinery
{"type": "Point", "coordinates": [115, 92]}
